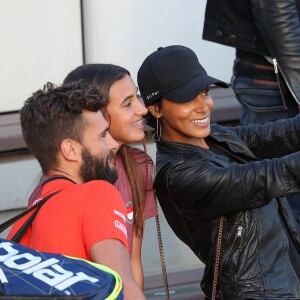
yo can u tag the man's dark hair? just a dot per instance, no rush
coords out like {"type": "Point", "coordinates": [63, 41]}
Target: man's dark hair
{"type": "Point", "coordinates": [53, 114]}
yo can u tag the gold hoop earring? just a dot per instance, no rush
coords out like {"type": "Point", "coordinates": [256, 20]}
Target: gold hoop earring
{"type": "Point", "coordinates": [158, 129]}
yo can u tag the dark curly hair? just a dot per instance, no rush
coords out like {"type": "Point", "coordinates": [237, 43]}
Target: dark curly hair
{"type": "Point", "coordinates": [53, 114]}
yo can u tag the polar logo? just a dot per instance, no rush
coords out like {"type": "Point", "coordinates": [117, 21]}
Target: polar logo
{"type": "Point", "coordinates": [47, 271]}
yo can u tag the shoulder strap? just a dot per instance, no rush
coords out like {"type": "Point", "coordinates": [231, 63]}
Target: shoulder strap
{"type": "Point", "coordinates": [217, 259]}
{"type": "Point", "coordinates": [162, 255]}
{"type": "Point", "coordinates": [25, 226]}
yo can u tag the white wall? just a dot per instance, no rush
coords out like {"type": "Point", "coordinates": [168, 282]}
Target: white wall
{"type": "Point", "coordinates": [40, 41]}
{"type": "Point", "coordinates": [19, 175]}
{"type": "Point", "coordinates": [125, 32]}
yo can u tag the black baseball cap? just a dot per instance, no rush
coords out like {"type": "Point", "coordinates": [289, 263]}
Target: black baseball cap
{"type": "Point", "coordinates": [174, 73]}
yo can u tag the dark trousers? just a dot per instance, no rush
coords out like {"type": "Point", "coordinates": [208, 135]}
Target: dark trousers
{"type": "Point", "coordinates": [257, 89]}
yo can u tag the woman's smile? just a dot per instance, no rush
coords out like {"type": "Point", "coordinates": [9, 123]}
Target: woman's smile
{"type": "Point", "coordinates": [201, 122]}
{"type": "Point", "coordinates": [139, 124]}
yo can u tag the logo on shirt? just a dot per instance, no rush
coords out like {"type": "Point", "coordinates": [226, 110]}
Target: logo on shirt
{"type": "Point", "coordinates": [129, 207]}
{"type": "Point", "coordinates": [116, 212]}
{"type": "Point", "coordinates": [120, 226]}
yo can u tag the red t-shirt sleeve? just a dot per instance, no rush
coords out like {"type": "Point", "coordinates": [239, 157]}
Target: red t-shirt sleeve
{"type": "Point", "coordinates": [103, 214]}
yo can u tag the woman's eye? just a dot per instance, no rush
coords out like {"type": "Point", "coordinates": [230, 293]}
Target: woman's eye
{"type": "Point", "coordinates": [127, 103]}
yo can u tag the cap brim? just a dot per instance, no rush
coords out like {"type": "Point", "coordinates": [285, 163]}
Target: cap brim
{"type": "Point", "coordinates": [193, 87]}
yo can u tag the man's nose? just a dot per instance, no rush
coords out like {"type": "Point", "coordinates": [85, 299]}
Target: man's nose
{"type": "Point", "coordinates": [111, 142]}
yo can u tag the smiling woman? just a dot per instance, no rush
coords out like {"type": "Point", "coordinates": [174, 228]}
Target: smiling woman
{"type": "Point", "coordinates": [222, 189]}
{"type": "Point", "coordinates": [125, 112]}
{"type": "Point", "coordinates": [187, 122]}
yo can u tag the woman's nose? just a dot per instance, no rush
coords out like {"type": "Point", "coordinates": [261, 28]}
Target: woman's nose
{"type": "Point", "coordinates": [141, 110]}
{"type": "Point", "coordinates": [201, 105]}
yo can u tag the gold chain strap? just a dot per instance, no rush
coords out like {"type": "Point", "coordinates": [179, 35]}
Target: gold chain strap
{"type": "Point", "coordinates": [162, 256]}
{"type": "Point", "coordinates": [217, 260]}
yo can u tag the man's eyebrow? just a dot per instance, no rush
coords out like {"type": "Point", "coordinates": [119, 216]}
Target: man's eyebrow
{"type": "Point", "coordinates": [104, 131]}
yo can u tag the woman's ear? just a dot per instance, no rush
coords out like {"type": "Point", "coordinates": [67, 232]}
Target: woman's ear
{"type": "Point", "coordinates": [70, 149]}
{"type": "Point", "coordinates": [154, 110]}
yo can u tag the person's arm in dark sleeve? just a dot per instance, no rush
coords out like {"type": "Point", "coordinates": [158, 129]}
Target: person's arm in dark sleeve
{"type": "Point", "coordinates": [204, 190]}
{"type": "Point", "coordinates": [274, 139]}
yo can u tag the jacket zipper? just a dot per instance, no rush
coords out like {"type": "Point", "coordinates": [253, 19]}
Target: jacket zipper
{"type": "Point", "coordinates": [275, 65]}
{"type": "Point", "coordinates": [276, 68]}
{"type": "Point", "coordinates": [239, 231]}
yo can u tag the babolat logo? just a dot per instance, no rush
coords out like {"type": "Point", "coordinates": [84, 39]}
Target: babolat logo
{"type": "Point", "coordinates": [48, 271]}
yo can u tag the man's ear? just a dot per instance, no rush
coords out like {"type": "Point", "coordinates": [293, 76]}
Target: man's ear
{"type": "Point", "coordinates": [154, 110]}
{"type": "Point", "coordinates": [70, 149]}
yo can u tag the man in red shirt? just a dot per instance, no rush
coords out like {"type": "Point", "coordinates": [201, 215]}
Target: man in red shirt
{"type": "Point", "coordinates": [66, 132]}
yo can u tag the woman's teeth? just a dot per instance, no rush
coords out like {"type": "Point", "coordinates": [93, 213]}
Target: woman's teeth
{"type": "Point", "coordinates": [137, 124]}
{"type": "Point", "coordinates": [200, 121]}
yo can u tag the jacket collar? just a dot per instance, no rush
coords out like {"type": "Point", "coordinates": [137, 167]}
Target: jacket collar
{"type": "Point", "coordinates": [218, 133]}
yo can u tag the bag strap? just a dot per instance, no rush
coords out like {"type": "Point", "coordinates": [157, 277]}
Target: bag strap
{"type": "Point", "coordinates": [217, 258]}
{"type": "Point", "coordinates": [162, 255]}
{"type": "Point", "coordinates": [17, 237]}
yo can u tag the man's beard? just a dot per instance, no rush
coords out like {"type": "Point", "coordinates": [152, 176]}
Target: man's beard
{"type": "Point", "coordinates": [96, 168]}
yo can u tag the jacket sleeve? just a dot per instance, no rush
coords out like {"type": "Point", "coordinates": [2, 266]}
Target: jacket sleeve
{"type": "Point", "coordinates": [273, 139]}
{"type": "Point", "coordinates": [279, 26]}
{"type": "Point", "coordinates": [203, 189]}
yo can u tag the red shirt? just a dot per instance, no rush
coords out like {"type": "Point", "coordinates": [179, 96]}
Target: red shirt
{"type": "Point", "coordinates": [76, 218]}
{"type": "Point", "coordinates": [123, 186]}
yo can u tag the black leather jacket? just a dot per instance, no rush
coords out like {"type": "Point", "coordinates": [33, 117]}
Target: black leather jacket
{"type": "Point", "coordinates": [264, 27]}
{"type": "Point", "coordinates": [195, 187]}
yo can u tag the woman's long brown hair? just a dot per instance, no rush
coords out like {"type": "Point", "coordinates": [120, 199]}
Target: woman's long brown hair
{"type": "Point", "coordinates": [139, 183]}
{"type": "Point", "coordinates": [103, 76]}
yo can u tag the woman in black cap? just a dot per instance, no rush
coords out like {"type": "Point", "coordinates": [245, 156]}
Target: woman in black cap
{"type": "Point", "coordinates": [222, 189]}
